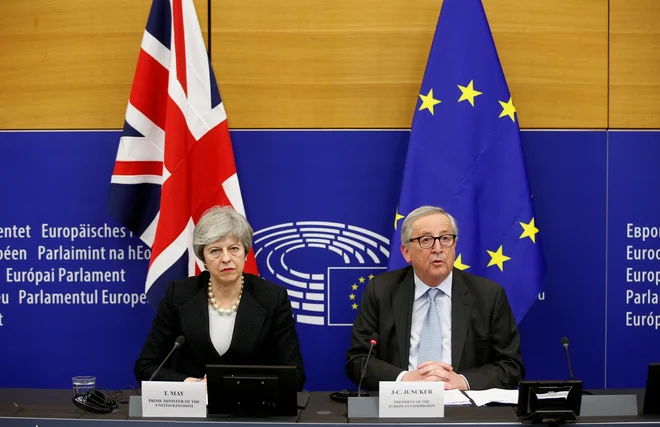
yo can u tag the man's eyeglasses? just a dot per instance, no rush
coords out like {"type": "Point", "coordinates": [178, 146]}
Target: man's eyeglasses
{"type": "Point", "coordinates": [427, 242]}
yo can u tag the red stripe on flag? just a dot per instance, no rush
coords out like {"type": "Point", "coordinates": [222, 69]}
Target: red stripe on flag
{"type": "Point", "coordinates": [213, 158]}
{"type": "Point", "coordinates": [175, 198]}
{"type": "Point", "coordinates": [180, 45]}
{"type": "Point", "coordinates": [149, 91]}
{"type": "Point", "coordinates": [138, 168]}
{"type": "Point", "coordinates": [178, 139]}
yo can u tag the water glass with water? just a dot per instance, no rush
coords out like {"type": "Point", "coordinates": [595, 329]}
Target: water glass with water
{"type": "Point", "coordinates": [83, 384]}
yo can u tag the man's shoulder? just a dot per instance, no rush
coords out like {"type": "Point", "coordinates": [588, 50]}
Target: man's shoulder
{"type": "Point", "coordinates": [392, 279]}
{"type": "Point", "coordinates": [477, 284]}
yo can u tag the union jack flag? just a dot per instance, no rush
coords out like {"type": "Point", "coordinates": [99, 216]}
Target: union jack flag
{"type": "Point", "coordinates": [175, 157]}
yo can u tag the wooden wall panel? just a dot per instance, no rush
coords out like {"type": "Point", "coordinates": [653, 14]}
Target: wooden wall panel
{"type": "Point", "coordinates": [346, 64]}
{"type": "Point", "coordinates": [554, 54]}
{"type": "Point", "coordinates": [329, 63]}
{"type": "Point", "coordinates": [69, 64]}
{"type": "Point", "coordinates": [291, 63]}
{"type": "Point", "coordinates": [634, 64]}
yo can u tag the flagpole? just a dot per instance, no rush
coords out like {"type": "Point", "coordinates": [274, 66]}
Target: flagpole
{"type": "Point", "coordinates": [209, 29]}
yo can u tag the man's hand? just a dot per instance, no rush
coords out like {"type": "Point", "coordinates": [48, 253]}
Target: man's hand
{"type": "Point", "coordinates": [437, 371]}
{"type": "Point", "coordinates": [434, 367]}
{"type": "Point", "coordinates": [446, 372]}
{"type": "Point", "coordinates": [417, 376]}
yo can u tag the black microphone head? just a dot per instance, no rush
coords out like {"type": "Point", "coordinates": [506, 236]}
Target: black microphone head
{"type": "Point", "coordinates": [374, 337]}
{"type": "Point", "coordinates": [564, 341]}
{"type": "Point", "coordinates": [179, 341]}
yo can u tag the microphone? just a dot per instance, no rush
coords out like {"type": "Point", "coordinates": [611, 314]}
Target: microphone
{"type": "Point", "coordinates": [564, 342]}
{"type": "Point", "coordinates": [373, 340]}
{"type": "Point", "coordinates": [178, 343]}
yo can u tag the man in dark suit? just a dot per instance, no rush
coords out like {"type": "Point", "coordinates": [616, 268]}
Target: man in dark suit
{"type": "Point", "coordinates": [435, 322]}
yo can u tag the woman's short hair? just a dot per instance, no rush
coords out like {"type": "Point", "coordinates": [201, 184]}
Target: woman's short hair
{"type": "Point", "coordinates": [406, 228]}
{"type": "Point", "coordinates": [218, 223]}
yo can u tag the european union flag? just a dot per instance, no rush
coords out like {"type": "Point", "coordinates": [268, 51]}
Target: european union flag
{"type": "Point", "coordinates": [465, 156]}
{"type": "Point", "coordinates": [345, 288]}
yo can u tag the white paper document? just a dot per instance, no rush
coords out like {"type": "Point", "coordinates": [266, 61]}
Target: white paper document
{"type": "Point", "coordinates": [493, 395]}
{"type": "Point", "coordinates": [563, 395]}
{"type": "Point", "coordinates": [455, 398]}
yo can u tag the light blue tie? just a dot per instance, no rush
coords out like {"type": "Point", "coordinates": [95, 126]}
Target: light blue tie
{"type": "Point", "coordinates": [430, 343]}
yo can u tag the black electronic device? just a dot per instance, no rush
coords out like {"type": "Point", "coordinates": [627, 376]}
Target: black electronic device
{"type": "Point", "coordinates": [652, 392]}
{"type": "Point", "coordinates": [553, 402]}
{"type": "Point", "coordinates": [251, 390]}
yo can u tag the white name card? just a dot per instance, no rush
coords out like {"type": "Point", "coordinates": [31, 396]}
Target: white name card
{"type": "Point", "coordinates": [411, 399]}
{"type": "Point", "coordinates": [173, 399]}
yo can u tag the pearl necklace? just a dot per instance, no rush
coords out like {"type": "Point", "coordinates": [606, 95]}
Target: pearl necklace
{"type": "Point", "coordinates": [225, 311]}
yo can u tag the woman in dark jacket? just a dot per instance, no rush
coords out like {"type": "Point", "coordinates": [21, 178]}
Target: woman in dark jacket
{"type": "Point", "coordinates": [226, 316]}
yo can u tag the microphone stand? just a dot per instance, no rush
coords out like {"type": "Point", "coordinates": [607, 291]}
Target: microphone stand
{"type": "Point", "coordinates": [364, 368]}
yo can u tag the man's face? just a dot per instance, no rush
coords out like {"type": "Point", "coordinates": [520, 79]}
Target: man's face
{"type": "Point", "coordinates": [431, 265]}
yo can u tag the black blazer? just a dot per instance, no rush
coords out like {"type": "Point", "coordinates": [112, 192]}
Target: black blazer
{"type": "Point", "coordinates": [264, 331]}
{"type": "Point", "coordinates": [484, 338]}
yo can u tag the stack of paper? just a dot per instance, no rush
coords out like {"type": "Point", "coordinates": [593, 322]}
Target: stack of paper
{"type": "Point", "coordinates": [493, 395]}
{"type": "Point", "coordinates": [455, 398]}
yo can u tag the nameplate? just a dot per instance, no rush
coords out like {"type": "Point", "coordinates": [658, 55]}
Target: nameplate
{"type": "Point", "coordinates": [168, 399]}
{"type": "Point", "coordinates": [411, 399]}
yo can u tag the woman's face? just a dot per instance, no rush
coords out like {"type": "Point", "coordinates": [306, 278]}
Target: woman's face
{"type": "Point", "coordinates": [225, 260]}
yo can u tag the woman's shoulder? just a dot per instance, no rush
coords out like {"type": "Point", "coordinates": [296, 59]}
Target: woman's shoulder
{"type": "Point", "coordinates": [261, 283]}
{"type": "Point", "coordinates": [263, 288]}
{"type": "Point", "coordinates": [183, 289]}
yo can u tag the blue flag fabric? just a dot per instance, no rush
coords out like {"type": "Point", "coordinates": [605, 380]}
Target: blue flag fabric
{"type": "Point", "coordinates": [345, 288]}
{"type": "Point", "coordinates": [465, 156]}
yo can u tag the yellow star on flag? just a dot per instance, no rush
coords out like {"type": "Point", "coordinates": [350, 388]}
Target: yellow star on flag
{"type": "Point", "coordinates": [529, 230]}
{"type": "Point", "coordinates": [498, 258]}
{"type": "Point", "coordinates": [458, 263]}
{"type": "Point", "coordinates": [352, 296]}
{"type": "Point", "coordinates": [354, 306]}
{"type": "Point", "coordinates": [361, 279]}
{"type": "Point", "coordinates": [508, 109]}
{"type": "Point", "coordinates": [354, 287]}
{"type": "Point", "coordinates": [428, 102]}
{"type": "Point", "coordinates": [371, 276]}
{"type": "Point", "coordinates": [397, 217]}
{"type": "Point", "coordinates": [468, 93]}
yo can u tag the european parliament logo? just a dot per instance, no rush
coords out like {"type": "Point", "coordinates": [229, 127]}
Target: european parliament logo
{"type": "Point", "coordinates": [325, 267]}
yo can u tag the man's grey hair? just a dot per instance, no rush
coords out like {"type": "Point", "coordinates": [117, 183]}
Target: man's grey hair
{"type": "Point", "coordinates": [406, 227]}
{"type": "Point", "coordinates": [218, 223]}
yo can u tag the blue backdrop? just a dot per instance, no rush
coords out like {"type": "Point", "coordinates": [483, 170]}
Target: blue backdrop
{"type": "Point", "coordinates": [323, 203]}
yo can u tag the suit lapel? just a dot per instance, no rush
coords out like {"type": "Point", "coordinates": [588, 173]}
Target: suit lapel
{"type": "Point", "coordinates": [402, 301]}
{"type": "Point", "coordinates": [250, 319]}
{"type": "Point", "coordinates": [194, 316]}
{"type": "Point", "coordinates": [460, 317]}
